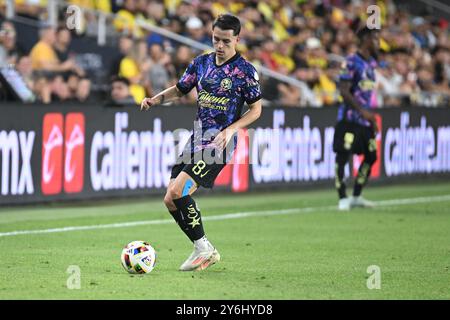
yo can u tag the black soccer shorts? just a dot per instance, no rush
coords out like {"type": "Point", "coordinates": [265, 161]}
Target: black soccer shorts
{"type": "Point", "coordinates": [354, 138]}
{"type": "Point", "coordinates": [203, 166]}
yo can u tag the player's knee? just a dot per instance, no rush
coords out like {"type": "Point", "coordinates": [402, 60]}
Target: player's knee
{"type": "Point", "coordinates": [168, 201]}
{"type": "Point", "coordinates": [174, 192]}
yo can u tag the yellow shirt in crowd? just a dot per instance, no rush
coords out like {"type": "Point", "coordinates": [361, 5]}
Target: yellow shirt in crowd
{"type": "Point", "coordinates": [129, 69]}
{"type": "Point", "coordinates": [102, 5]}
{"type": "Point", "coordinates": [42, 52]}
{"type": "Point", "coordinates": [126, 21]}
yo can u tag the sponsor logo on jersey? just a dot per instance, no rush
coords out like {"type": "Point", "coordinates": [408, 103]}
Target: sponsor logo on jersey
{"type": "Point", "coordinates": [366, 85]}
{"type": "Point", "coordinates": [208, 100]}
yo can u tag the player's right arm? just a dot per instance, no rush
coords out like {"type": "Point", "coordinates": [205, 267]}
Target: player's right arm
{"type": "Point", "coordinates": [168, 95]}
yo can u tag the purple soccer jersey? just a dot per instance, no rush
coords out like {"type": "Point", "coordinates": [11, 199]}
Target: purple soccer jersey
{"type": "Point", "coordinates": [361, 74]}
{"type": "Point", "coordinates": [222, 91]}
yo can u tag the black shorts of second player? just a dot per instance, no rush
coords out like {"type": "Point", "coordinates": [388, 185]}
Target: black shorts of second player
{"type": "Point", "coordinates": [200, 167]}
{"type": "Point", "coordinates": [354, 138]}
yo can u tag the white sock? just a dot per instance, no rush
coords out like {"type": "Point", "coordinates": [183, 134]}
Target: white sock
{"type": "Point", "coordinates": [202, 243]}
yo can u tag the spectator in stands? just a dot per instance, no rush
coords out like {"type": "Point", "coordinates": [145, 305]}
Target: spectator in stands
{"type": "Point", "coordinates": [196, 31]}
{"type": "Point", "coordinates": [25, 69]}
{"type": "Point", "coordinates": [289, 95]}
{"type": "Point", "coordinates": [61, 46]}
{"type": "Point", "coordinates": [9, 50]}
{"type": "Point", "coordinates": [316, 57]}
{"type": "Point", "coordinates": [30, 8]}
{"type": "Point", "coordinates": [389, 82]}
{"type": "Point", "coordinates": [283, 56]}
{"type": "Point", "coordinates": [154, 11]}
{"type": "Point", "coordinates": [62, 42]}
{"type": "Point", "coordinates": [79, 87]}
{"type": "Point", "coordinates": [175, 25]}
{"type": "Point", "coordinates": [266, 54]}
{"type": "Point", "coordinates": [120, 92]}
{"type": "Point", "coordinates": [75, 89]}
{"type": "Point", "coordinates": [317, 61]}
{"type": "Point", "coordinates": [225, 6]}
{"type": "Point", "coordinates": [182, 59]}
{"type": "Point", "coordinates": [148, 12]}
{"type": "Point", "coordinates": [129, 68]}
{"type": "Point", "coordinates": [73, 81]}
{"type": "Point", "coordinates": [425, 80]}
{"type": "Point", "coordinates": [441, 68]}
{"type": "Point", "coordinates": [43, 56]}
{"type": "Point", "coordinates": [59, 89]}
{"type": "Point", "coordinates": [143, 60]}
{"type": "Point", "coordinates": [125, 21]}
{"type": "Point", "coordinates": [125, 45]}
{"type": "Point", "coordinates": [141, 8]}
{"type": "Point", "coordinates": [83, 91]}
{"type": "Point", "coordinates": [422, 33]}
{"type": "Point", "coordinates": [42, 90]}
{"type": "Point", "coordinates": [159, 75]}
{"type": "Point", "coordinates": [101, 5]}
{"type": "Point", "coordinates": [3, 51]}
{"type": "Point", "coordinates": [185, 10]}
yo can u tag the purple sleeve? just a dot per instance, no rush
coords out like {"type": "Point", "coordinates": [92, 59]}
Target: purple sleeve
{"type": "Point", "coordinates": [252, 91]}
{"type": "Point", "coordinates": [348, 70]}
{"type": "Point", "coordinates": [189, 79]}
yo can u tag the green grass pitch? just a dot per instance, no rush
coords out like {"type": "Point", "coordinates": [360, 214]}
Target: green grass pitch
{"type": "Point", "coordinates": [315, 252]}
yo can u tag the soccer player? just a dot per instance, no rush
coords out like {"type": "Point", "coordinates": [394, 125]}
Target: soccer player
{"type": "Point", "coordinates": [224, 81]}
{"type": "Point", "coordinates": [356, 128]}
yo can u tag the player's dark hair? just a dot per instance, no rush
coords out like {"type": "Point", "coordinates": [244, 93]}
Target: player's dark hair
{"type": "Point", "coordinates": [228, 22]}
{"type": "Point", "coordinates": [365, 32]}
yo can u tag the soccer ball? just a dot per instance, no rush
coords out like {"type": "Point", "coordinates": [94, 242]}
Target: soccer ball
{"type": "Point", "coordinates": [138, 257]}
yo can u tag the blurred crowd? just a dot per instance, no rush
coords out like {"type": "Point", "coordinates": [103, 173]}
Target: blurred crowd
{"type": "Point", "coordinates": [306, 40]}
{"type": "Point", "coordinates": [48, 69]}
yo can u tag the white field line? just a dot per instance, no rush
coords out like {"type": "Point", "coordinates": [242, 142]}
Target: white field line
{"type": "Point", "coordinates": [237, 215]}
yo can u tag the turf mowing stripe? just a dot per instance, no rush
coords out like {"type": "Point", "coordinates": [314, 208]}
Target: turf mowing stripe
{"type": "Point", "coordinates": [237, 215]}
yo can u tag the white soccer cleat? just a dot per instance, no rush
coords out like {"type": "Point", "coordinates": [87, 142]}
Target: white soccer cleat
{"type": "Point", "coordinates": [200, 259]}
{"type": "Point", "coordinates": [360, 202]}
{"type": "Point", "coordinates": [215, 257]}
{"type": "Point", "coordinates": [344, 204]}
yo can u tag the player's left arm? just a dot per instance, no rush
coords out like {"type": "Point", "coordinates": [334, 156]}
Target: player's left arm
{"type": "Point", "coordinates": [252, 114]}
